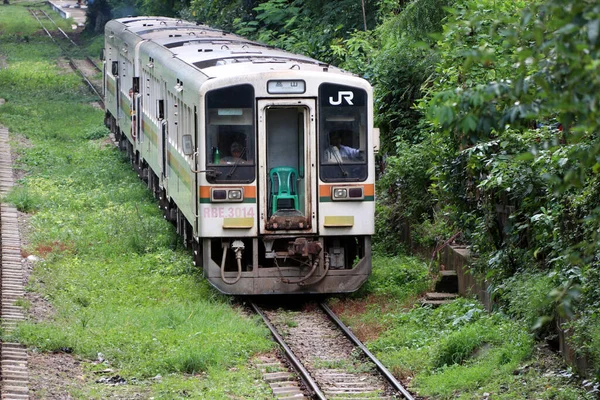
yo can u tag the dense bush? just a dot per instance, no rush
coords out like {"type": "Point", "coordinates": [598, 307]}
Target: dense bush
{"type": "Point", "coordinates": [512, 104]}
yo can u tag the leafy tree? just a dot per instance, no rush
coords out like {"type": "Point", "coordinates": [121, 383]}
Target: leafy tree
{"type": "Point", "coordinates": [220, 14]}
{"type": "Point", "coordinates": [516, 105]}
{"type": "Point", "coordinates": [307, 27]}
{"type": "Point", "coordinates": [167, 8]}
{"type": "Point", "coordinates": [97, 15]}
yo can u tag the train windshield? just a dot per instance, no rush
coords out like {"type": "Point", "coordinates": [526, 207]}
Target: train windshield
{"type": "Point", "coordinates": [343, 133]}
{"type": "Point", "coordinates": [230, 139]}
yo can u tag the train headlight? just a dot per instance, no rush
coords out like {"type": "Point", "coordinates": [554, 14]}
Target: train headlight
{"type": "Point", "coordinates": [348, 193]}
{"type": "Point", "coordinates": [226, 195]}
{"type": "Point", "coordinates": [340, 193]}
{"type": "Point", "coordinates": [235, 194]}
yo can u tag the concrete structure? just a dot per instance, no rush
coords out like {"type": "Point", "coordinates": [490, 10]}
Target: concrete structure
{"type": "Point", "coordinates": [70, 9]}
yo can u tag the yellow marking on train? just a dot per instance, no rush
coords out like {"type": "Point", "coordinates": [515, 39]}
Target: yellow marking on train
{"type": "Point", "coordinates": [237, 223]}
{"type": "Point", "coordinates": [339, 221]}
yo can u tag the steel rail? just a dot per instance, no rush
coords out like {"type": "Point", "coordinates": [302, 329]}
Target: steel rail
{"type": "Point", "coordinates": [93, 63]}
{"type": "Point", "coordinates": [60, 30]}
{"type": "Point", "coordinates": [310, 382]}
{"type": "Point", "coordinates": [87, 81]}
{"type": "Point", "coordinates": [384, 371]}
{"type": "Point", "coordinates": [71, 62]}
{"type": "Point", "coordinates": [32, 12]}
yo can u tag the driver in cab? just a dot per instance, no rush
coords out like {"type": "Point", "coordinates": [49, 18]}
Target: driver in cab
{"type": "Point", "coordinates": [337, 152]}
{"type": "Point", "coordinates": [237, 152]}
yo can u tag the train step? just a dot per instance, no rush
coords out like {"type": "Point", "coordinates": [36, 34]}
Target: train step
{"type": "Point", "coordinates": [447, 282]}
{"type": "Point", "coordinates": [435, 299]}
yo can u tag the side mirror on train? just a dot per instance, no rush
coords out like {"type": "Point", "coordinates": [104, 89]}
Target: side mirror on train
{"type": "Point", "coordinates": [188, 145]}
{"type": "Point", "coordinates": [115, 68]}
{"type": "Point", "coordinates": [102, 54]}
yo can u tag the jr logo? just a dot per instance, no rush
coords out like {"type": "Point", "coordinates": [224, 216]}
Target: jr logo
{"type": "Point", "coordinates": [346, 95]}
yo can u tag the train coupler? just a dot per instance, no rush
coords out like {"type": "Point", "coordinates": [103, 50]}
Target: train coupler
{"type": "Point", "coordinates": [304, 247]}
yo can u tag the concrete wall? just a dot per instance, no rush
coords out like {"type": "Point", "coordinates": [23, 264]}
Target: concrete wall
{"type": "Point", "coordinates": [458, 258]}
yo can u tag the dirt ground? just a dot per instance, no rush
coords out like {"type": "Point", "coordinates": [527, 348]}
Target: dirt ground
{"type": "Point", "coordinates": [50, 375]}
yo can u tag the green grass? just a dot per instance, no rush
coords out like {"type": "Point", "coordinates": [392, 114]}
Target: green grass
{"type": "Point", "coordinates": [113, 269]}
{"type": "Point", "coordinates": [16, 22]}
{"type": "Point", "coordinates": [525, 295]}
{"type": "Point", "coordinates": [458, 350]}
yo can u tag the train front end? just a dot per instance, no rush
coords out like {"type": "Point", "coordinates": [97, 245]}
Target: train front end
{"type": "Point", "coordinates": [286, 192]}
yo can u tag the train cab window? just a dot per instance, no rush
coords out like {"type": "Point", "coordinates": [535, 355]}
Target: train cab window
{"type": "Point", "coordinates": [343, 133]}
{"type": "Point", "coordinates": [230, 138]}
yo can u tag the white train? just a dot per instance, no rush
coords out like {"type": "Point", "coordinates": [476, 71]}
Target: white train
{"type": "Point", "coordinates": [263, 159]}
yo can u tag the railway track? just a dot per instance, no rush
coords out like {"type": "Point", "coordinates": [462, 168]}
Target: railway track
{"type": "Point", "coordinates": [331, 362]}
{"type": "Point", "coordinates": [14, 375]}
{"type": "Point", "coordinates": [86, 67]}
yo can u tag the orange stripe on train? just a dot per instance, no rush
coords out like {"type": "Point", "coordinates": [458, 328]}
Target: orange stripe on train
{"type": "Point", "coordinates": [249, 191]}
{"type": "Point", "coordinates": [325, 190]}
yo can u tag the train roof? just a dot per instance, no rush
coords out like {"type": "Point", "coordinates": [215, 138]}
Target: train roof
{"type": "Point", "coordinates": [218, 53]}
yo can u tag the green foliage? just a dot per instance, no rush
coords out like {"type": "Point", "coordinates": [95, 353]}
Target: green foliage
{"type": "Point", "coordinates": [32, 76]}
{"type": "Point", "coordinates": [240, 381]}
{"type": "Point", "coordinates": [459, 346]}
{"type": "Point", "coordinates": [399, 277]}
{"type": "Point", "coordinates": [14, 24]}
{"type": "Point", "coordinates": [522, 182]}
{"type": "Point", "coordinates": [23, 199]}
{"type": "Point", "coordinates": [470, 354]}
{"type": "Point", "coordinates": [167, 8]}
{"type": "Point", "coordinates": [355, 54]}
{"type": "Point", "coordinates": [458, 350]}
{"type": "Point", "coordinates": [403, 196]}
{"type": "Point", "coordinates": [97, 15]}
{"type": "Point", "coordinates": [452, 349]}
{"type": "Point", "coordinates": [219, 14]}
{"type": "Point", "coordinates": [97, 132]}
{"type": "Point", "coordinates": [526, 297]}
{"type": "Point", "coordinates": [401, 70]}
{"type": "Point", "coordinates": [513, 111]}
{"type": "Point", "coordinates": [419, 20]}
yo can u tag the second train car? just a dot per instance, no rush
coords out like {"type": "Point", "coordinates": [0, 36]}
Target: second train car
{"type": "Point", "coordinates": [263, 159]}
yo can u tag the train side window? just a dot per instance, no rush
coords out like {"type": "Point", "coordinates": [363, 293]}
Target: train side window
{"type": "Point", "coordinates": [115, 68]}
{"type": "Point", "coordinates": [161, 109]}
{"type": "Point", "coordinates": [188, 145]}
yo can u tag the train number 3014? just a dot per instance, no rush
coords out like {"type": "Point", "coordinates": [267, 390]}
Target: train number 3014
{"type": "Point", "coordinates": [228, 212]}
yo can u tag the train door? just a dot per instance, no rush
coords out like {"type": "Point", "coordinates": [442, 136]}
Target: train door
{"type": "Point", "coordinates": [287, 191]}
{"type": "Point", "coordinates": [164, 127]}
{"type": "Point", "coordinates": [115, 73]}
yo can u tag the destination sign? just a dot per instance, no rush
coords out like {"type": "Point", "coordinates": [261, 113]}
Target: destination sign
{"type": "Point", "coordinates": [286, 86]}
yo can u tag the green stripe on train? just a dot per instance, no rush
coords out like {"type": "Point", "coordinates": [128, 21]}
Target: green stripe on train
{"type": "Point", "coordinates": [327, 199]}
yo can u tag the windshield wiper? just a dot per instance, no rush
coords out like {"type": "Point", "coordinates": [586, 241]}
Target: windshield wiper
{"type": "Point", "coordinates": [338, 159]}
{"type": "Point", "coordinates": [237, 162]}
